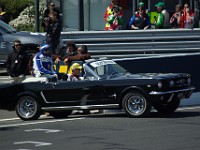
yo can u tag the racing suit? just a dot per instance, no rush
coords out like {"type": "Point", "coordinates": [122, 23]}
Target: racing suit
{"type": "Point", "coordinates": [73, 77]}
{"type": "Point", "coordinates": [43, 65]}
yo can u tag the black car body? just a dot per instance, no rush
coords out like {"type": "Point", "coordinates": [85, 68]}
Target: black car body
{"type": "Point", "coordinates": [7, 36]}
{"type": "Point", "coordinates": [105, 85]}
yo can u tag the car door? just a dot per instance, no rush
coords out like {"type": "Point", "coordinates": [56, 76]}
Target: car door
{"type": "Point", "coordinates": [108, 89]}
{"type": "Point", "coordinates": [74, 93]}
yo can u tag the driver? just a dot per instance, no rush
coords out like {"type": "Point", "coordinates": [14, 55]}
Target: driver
{"type": "Point", "coordinates": [43, 63]}
{"type": "Point", "coordinates": [76, 71]}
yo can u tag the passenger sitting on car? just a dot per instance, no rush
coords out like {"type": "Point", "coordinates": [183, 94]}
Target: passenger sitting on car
{"type": "Point", "coordinates": [76, 71]}
{"type": "Point", "coordinates": [43, 63]}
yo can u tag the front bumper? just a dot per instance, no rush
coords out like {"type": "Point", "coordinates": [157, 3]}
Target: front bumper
{"type": "Point", "coordinates": [167, 96]}
{"type": "Point", "coordinates": [190, 90]}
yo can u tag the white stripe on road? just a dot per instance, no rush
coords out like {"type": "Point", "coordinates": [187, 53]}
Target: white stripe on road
{"type": "Point", "coordinates": [11, 119]}
{"type": "Point", "coordinates": [40, 122]}
{"type": "Point", "coordinates": [62, 120]}
{"type": "Point", "coordinates": [189, 108]}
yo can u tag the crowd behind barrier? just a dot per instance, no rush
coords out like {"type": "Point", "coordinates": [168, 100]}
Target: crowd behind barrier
{"type": "Point", "coordinates": [142, 19]}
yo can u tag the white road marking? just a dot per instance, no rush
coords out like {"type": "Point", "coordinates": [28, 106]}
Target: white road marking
{"type": "Point", "coordinates": [189, 108]}
{"type": "Point", "coordinates": [23, 149]}
{"type": "Point", "coordinates": [33, 142]}
{"type": "Point", "coordinates": [62, 120]}
{"type": "Point", "coordinates": [10, 119]}
{"type": "Point", "coordinates": [43, 130]}
{"type": "Point", "coordinates": [40, 122]}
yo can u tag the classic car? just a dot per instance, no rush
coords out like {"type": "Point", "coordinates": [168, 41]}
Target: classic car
{"type": "Point", "coordinates": [105, 85]}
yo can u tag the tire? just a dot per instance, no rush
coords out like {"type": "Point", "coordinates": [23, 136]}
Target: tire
{"type": "Point", "coordinates": [60, 114]}
{"type": "Point", "coordinates": [167, 108]}
{"type": "Point", "coordinates": [28, 108]}
{"type": "Point", "coordinates": [136, 105]}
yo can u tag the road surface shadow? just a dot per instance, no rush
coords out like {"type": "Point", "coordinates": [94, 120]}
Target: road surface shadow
{"type": "Point", "coordinates": [182, 114]}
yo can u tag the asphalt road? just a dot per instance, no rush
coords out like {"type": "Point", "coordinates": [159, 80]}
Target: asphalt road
{"type": "Point", "coordinates": [110, 131]}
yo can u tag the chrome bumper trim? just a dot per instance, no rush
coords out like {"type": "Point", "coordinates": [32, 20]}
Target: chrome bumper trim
{"type": "Point", "coordinates": [81, 107]}
{"type": "Point", "coordinates": [168, 92]}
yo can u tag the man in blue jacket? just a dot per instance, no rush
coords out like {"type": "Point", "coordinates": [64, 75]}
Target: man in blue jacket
{"type": "Point", "coordinates": [43, 63]}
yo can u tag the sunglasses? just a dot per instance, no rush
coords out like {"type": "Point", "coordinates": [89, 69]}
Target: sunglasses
{"type": "Point", "coordinates": [18, 44]}
{"type": "Point", "coordinates": [52, 5]}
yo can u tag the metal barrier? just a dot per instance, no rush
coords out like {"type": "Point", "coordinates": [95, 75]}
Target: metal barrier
{"type": "Point", "coordinates": [136, 43]}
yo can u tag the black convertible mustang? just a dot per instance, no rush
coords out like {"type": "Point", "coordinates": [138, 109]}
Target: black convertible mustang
{"type": "Point", "coordinates": [106, 85]}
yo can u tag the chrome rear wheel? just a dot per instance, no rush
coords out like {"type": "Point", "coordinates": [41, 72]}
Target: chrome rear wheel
{"type": "Point", "coordinates": [28, 108]}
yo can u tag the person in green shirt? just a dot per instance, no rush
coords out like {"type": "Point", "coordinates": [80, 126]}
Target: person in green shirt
{"type": "Point", "coordinates": [159, 21]}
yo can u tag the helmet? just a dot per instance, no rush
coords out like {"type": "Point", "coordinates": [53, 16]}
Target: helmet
{"type": "Point", "coordinates": [76, 66]}
{"type": "Point", "coordinates": [44, 47]}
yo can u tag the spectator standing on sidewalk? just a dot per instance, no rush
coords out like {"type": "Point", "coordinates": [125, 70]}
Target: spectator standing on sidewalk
{"type": "Point", "coordinates": [16, 63]}
{"type": "Point", "coordinates": [53, 29]}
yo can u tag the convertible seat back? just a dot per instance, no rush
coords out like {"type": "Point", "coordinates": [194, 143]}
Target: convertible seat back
{"type": "Point", "coordinates": [62, 68]}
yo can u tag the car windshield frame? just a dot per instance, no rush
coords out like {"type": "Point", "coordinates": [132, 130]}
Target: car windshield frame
{"type": "Point", "coordinates": [7, 28]}
{"type": "Point", "coordinates": [103, 69]}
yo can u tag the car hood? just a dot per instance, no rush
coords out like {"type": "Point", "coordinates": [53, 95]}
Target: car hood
{"type": "Point", "coordinates": [25, 37]}
{"type": "Point", "coordinates": [164, 75]}
{"type": "Point", "coordinates": [158, 76]}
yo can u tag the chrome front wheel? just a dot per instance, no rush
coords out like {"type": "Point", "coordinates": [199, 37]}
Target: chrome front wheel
{"type": "Point", "coordinates": [136, 105]}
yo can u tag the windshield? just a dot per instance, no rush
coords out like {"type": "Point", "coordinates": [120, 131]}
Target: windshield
{"type": "Point", "coordinates": [6, 28]}
{"type": "Point", "coordinates": [106, 68]}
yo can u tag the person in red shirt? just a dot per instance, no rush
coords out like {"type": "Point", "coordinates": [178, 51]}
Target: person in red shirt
{"type": "Point", "coordinates": [188, 17]}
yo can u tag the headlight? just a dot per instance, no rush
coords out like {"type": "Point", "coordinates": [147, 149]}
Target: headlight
{"type": "Point", "coordinates": [160, 84]}
{"type": "Point", "coordinates": [171, 83]}
{"type": "Point", "coordinates": [189, 81]}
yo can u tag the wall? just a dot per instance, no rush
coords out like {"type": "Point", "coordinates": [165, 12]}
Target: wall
{"type": "Point", "coordinates": [93, 14]}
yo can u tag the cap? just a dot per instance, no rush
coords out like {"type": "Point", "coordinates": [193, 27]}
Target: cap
{"type": "Point", "coordinates": [76, 66]}
{"type": "Point", "coordinates": [141, 4]}
{"type": "Point", "coordinates": [160, 4]}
